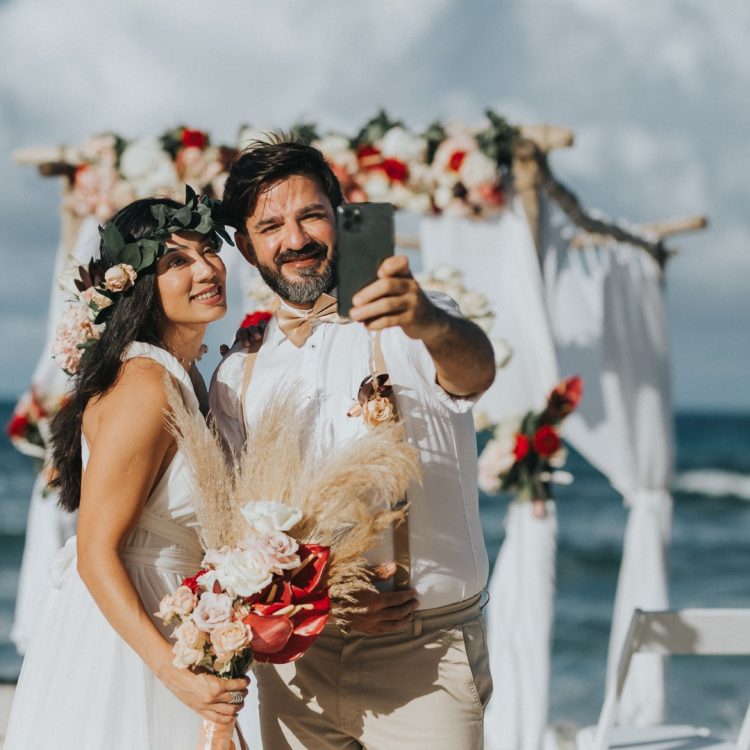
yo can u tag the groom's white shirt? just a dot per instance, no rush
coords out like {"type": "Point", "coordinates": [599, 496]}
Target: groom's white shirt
{"type": "Point", "coordinates": [448, 556]}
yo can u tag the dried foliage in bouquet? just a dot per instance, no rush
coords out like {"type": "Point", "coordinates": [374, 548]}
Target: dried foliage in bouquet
{"type": "Point", "coordinates": [348, 498]}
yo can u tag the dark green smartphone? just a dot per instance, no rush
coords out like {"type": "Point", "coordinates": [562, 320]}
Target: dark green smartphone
{"type": "Point", "coordinates": [365, 238]}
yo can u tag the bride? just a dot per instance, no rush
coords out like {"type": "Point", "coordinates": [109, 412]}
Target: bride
{"type": "Point", "coordinates": [99, 673]}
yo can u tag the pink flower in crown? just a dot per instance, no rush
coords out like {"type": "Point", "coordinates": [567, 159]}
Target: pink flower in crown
{"type": "Point", "coordinates": [120, 278]}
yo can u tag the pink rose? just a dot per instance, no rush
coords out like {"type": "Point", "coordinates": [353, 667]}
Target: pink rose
{"type": "Point", "coordinates": [279, 550]}
{"type": "Point", "coordinates": [189, 634]}
{"type": "Point", "coordinates": [183, 601]}
{"type": "Point", "coordinates": [119, 277]}
{"type": "Point", "coordinates": [185, 656]}
{"type": "Point", "coordinates": [229, 638]}
{"type": "Point", "coordinates": [212, 610]}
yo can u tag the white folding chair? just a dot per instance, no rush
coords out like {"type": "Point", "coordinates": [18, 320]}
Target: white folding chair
{"type": "Point", "coordinates": [686, 631]}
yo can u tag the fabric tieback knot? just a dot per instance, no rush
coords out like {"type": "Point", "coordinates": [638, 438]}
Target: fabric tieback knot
{"type": "Point", "coordinates": [297, 326]}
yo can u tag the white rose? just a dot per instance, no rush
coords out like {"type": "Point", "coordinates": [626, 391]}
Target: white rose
{"type": "Point", "coordinates": [336, 148]}
{"type": "Point", "coordinates": [443, 197]}
{"type": "Point", "coordinates": [215, 557]}
{"type": "Point", "coordinates": [151, 170]}
{"type": "Point", "coordinates": [212, 610]}
{"type": "Point", "coordinates": [244, 573]}
{"type": "Point", "coordinates": [477, 169]}
{"type": "Point", "coordinates": [229, 638]}
{"type": "Point", "coordinates": [399, 143]}
{"type": "Point", "coordinates": [377, 186]}
{"type": "Point", "coordinates": [264, 516]}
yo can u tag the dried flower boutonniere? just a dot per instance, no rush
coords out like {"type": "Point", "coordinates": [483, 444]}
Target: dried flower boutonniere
{"type": "Point", "coordinates": [375, 401]}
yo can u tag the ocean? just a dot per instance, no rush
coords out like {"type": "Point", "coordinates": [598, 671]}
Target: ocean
{"type": "Point", "coordinates": [709, 567]}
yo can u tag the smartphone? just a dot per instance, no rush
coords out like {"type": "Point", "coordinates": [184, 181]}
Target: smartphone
{"type": "Point", "coordinates": [365, 238]}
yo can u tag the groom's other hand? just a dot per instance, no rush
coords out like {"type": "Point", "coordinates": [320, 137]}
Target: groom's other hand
{"type": "Point", "coordinates": [246, 337]}
{"type": "Point", "coordinates": [387, 611]}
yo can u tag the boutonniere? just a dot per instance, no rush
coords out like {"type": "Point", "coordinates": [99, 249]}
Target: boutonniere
{"type": "Point", "coordinates": [375, 402]}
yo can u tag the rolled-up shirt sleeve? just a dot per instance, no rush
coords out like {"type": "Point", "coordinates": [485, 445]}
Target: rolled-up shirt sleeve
{"type": "Point", "coordinates": [225, 402]}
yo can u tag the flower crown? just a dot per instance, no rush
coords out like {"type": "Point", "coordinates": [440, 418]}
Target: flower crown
{"type": "Point", "coordinates": [105, 279]}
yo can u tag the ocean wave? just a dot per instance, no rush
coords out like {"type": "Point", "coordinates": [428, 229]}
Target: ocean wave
{"type": "Point", "coordinates": [714, 483]}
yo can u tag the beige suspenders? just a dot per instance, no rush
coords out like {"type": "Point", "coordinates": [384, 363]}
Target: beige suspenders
{"type": "Point", "coordinates": [401, 532]}
{"type": "Point", "coordinates": [401, 551]}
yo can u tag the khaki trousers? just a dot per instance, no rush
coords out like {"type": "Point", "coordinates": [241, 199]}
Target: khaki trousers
{"type": "Point", "coordinates": [425, 689]}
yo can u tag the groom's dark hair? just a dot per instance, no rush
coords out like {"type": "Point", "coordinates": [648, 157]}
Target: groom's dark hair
{"type": "Point", "coordinates": [262, 164]}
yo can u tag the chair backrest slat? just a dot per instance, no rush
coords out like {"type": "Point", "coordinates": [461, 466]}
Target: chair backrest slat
{"type": "Point", "coordinates": [694, 631]}
{"type": "Point", "coordinates": [687, 631]}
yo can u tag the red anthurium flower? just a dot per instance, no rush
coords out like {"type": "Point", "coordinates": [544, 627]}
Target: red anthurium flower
{"type": "Point", "coordinates": [546, 441]}
{"type": "Point", "coordinates": [256, 318]}
{"type": "Point", "coordinates": [194, 138]}
{"type": "Point", "coordinates": [368, 156]}
{"type": "Point", "coordinates": [307, 624]}
{"type": "Point", "coordinates": [270, 633]}
{"type": "Point", "coordinates": [521, 448]}
{"type": "Point", "coordinates": [456, 160]}
{"type": "Point", "coordinates": [565, 397]}
{"type": "Point", "coordinates": [396, 170]}
{"type": "Point", "coordinates": [192, 581]}
{"type": "Point", "coordinates": [309, 576]}
{"type": "Point", "coordinates": [305, 589]}
{"type": "Point", "coordinates": [17, 426]}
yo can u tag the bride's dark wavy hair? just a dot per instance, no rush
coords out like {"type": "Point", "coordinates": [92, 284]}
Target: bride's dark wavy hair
{"type": "Point", "coordinates": [136, 316]}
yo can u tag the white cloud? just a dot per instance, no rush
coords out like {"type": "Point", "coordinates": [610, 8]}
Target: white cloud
{"type": "Point", "coordinates": [654, 91]}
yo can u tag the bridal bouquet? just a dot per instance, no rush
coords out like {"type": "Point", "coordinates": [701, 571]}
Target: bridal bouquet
{"type": "Point", "coordinates": [524, 456]}
{"type": "Point", "coordinates": [285, 536]}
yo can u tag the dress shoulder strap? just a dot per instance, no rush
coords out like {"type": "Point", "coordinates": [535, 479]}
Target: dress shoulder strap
{"type": "Point", "coordinates": [170, 364]}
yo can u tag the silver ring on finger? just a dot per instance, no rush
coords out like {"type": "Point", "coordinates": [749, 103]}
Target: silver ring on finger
{"type": "Point", "coordinates": [236, 696]}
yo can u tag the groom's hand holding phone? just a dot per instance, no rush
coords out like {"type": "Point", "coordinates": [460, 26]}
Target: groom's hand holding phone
{"type": "Point", "coordinates": [387, 611]}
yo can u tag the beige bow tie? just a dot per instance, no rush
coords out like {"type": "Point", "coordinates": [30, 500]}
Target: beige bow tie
{"type": "Point", "coordinates": [297, 328]}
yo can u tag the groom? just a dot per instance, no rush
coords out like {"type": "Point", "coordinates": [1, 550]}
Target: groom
{"type": "Point", "coordinates": [412, 671]}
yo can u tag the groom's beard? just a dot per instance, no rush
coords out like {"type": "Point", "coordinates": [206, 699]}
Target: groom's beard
{"type": "Point", "coordinates": [314, 281]}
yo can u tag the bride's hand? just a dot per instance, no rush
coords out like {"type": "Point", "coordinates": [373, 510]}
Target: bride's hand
{"type": "Point", "coordinates": [208, 695]}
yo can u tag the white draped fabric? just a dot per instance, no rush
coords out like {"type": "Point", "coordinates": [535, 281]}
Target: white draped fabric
{"type": "Point", "coordinates": [47, 526]}
{"type": "Point", "coordinates": [498, 258]}
{"type": "Point", "coordinates": [607, 310]}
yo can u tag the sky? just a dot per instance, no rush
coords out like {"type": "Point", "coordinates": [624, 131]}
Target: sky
{"type": "Point", "coordinates": [656, 93]}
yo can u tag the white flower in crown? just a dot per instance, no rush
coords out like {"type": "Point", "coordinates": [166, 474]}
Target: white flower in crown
{"type": "Point", "coordinates": [265, 516]}
{"type": "Point", "coordinates": [399, 143]}
{"type": "Point", "coordinates": [149, 168]}
{"type": "Point", "coordinates": [120, 278]}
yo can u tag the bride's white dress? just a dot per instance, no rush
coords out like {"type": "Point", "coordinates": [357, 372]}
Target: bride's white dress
{"type": "Point", "coordinates": [81, 686]}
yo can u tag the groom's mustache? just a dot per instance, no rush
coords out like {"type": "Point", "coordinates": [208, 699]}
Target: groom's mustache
{"type": "Point", "coordinates": [310, 250]}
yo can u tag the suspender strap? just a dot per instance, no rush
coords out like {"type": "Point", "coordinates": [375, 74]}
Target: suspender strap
{"type": "Point", "coordinates": [247, 374]}
{"type": "Point", "coordinates": [401, 551]}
